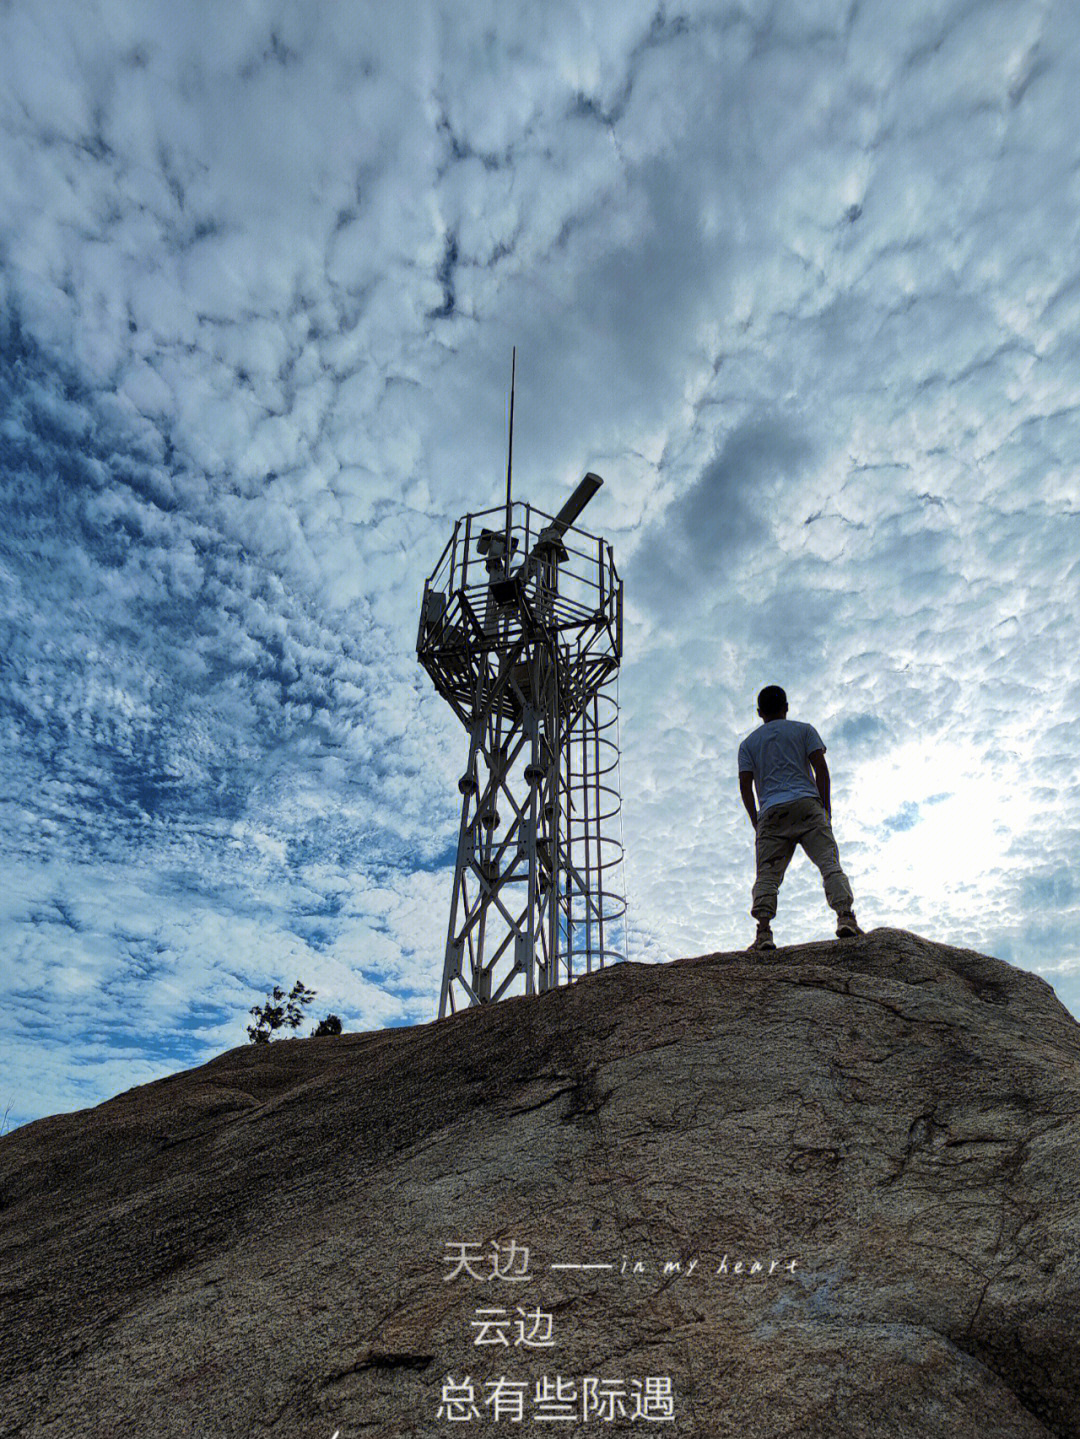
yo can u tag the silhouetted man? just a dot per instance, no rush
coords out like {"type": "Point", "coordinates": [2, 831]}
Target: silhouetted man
{"type": "Point", "coordinates": [785, 761]}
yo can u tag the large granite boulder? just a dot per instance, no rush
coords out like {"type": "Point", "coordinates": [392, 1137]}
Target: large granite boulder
{"type": "Point", "coordinates": [835, 1189]}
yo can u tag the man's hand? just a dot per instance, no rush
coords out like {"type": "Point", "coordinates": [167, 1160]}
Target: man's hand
{"type": "Point", "coordinates": [746, 789]}
{"type": "Point", "coordinates": [820, 772]}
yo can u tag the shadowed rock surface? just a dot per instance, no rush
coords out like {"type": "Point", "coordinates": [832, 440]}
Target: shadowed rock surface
{"type": "Point", "coordinates": [260, 1247]}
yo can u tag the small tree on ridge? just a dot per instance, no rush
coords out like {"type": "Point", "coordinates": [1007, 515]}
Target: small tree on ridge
{"type": "Point", "coordinates": [275, 1015]}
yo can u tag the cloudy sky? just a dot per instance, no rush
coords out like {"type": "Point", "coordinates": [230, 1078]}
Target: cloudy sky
{"type": "Point", "coordinates": [798, 278]}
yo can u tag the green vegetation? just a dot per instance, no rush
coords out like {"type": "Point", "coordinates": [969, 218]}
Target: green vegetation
{"type": "Point", "coordinates": [286, 1011]}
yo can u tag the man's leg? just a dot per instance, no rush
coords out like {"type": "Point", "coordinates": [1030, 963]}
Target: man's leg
{"type": "Point", "coordinates": [773, 849]}
{"type": "Point", "coordinates": [820, 844]}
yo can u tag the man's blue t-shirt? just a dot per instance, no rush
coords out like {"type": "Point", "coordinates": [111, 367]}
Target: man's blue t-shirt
{"type": "Point", "coordinates": [778, 754]}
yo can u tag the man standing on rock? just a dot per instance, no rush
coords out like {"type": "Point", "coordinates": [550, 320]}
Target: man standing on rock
{"type": "Point", "coordinates": [785, 760]}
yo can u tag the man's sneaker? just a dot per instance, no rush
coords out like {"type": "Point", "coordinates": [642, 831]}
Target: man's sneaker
{"type": "Point", "coordinates": [846, 926]}
{"type": "Point", "coordinates": [764, 939]}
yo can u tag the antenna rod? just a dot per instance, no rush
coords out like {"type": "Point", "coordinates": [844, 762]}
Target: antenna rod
{"type": "Point", "coordinates": [510, 455]}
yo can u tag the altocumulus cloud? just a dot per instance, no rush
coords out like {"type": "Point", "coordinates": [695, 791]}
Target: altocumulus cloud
{"type": "Point", "coordinates": [797, 280]}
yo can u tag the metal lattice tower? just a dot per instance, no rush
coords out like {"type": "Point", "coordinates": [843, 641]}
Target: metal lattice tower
{"type": "Point", "coordinates": [521, 632]}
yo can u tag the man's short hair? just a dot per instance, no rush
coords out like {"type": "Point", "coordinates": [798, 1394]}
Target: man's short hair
{"type": "Point", "coordinates": [772, 701]}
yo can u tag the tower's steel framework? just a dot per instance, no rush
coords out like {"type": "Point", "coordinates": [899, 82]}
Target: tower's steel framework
{"type": "Point", "coordinates": [521, 632]}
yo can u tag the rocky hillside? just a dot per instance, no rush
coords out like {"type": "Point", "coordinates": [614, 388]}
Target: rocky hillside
{"type": "Point", "coordinates": [833, 1190]}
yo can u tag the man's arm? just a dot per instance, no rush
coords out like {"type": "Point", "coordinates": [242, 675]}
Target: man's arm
{"type": "Point", "coordinates": [821, 778]}
{"type": "Point", "coordinates": [746, 789]}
